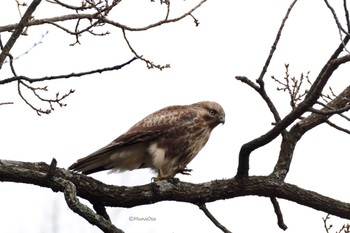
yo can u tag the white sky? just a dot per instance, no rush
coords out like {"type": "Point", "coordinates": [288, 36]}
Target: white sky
{"type": "Point", "coordinates": [233, 38]}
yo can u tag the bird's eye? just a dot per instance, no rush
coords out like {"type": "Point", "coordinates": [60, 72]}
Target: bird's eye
{"type": "Point", "coordinates": [212, 112]}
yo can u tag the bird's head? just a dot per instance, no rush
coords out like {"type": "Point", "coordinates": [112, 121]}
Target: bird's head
{"type": "Point", "coordinates": [211, 112]}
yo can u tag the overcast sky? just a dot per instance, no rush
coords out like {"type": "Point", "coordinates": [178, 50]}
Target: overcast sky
{"type": "Point", "coordinates": [233, 38]}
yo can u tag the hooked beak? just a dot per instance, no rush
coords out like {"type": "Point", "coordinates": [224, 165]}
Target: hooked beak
{"type": "Point", "coordinates": [222, 119]}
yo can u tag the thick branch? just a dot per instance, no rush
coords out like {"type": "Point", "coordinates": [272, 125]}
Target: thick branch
{"type": "Point", "coordinates": [109, 195]}
{"type": "Point", "coordinates": [289, 142]}
{"type": "Point", "coordinates": [310, 99]}
{"type": "Point", "coordinates": [84, 211]}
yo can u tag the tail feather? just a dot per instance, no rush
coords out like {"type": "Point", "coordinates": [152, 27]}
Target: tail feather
{"type": "Point", "coordinates": [121, 159]}
{"type": "Point", "coordinates": [91, 165]}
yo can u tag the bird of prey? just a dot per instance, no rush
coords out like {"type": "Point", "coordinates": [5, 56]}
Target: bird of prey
{"type": "Point", "coordinates": [165, 141]}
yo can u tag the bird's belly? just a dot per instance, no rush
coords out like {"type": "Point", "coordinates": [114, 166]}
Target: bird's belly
{"type": "Point", "coordinates": [158, 155]}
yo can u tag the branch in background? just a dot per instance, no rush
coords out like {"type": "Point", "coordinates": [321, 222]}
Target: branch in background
{"type": "Point", "coordinates": [203, 207]}
{"type": "Point", "coordinates": [5, 103]}
{"type": "Point", "coordinates": [150, 64]}
{"type": "Point", "coordinates": [85, 5]}
{"type": "Point", "coordinates": [36, 92]}
{"type": "Point", "coordinates": [32, 47]}
{"type": "Point", "coordinates": [327, 109]}
{"type": "Point", "coordinates": [102, 19]}
{"type": "Point", "coordinates": [246, 149]}
{"type": "Point", "coordinates": [290, 140]}
{"type": "Point", "coordinates": [331, 111]}
{"type": "Point", "coordinates": [274, 45]}
{"type": "Point", "coordinates": [18, 30]}
{"type": "Point", "coordinates": [96, 19]}
{"type": "Point", "coordinates": [344, 229]}
{"type": "Point", "coordinates": [309, 100]}
{"type": "Point", "coordinates": [337, 127]}
{"type": "Point", "coordinates": [346, 14]}
{"type": "Point", "coordinates": [19, 5]}
{"type": "Point", "coordinates": [293, 86]}
{"type": "Point", "coordinates": [340, 27]}
{"type": "Point", "coordinates": [66, 76]}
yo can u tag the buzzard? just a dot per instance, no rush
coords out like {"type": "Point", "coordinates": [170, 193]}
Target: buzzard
{"type": "Point", "coordinates": [165, 141]}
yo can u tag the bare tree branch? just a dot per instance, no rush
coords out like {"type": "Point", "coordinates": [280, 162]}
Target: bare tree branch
{"type": "Point", "coordinates": [290, 140]}
{"type": "Point", "coordinates": [18, 30]}
{"type": "Point", "coordinates": [274, 45]}
{"type": "Point", "coordinates": [327, 109]}
{"type": "Point", "coordinates": [84, 211]}
{"type": "Point", "coordinates": [101, 19]}
{"type": "Point", "coordinates": [337, 127]}
{"type": "Point", "coordinates": [5, 103]}
{"type": "Point", "coordinates": [293, 85]}
{"type": "Point", "coordinates": [309, 100]}
{"type": "Point", "coordinates": [278, 212]}
{"type": "Point", "coordinates": [115, 196]}
{"type": "Point", "coordinates": [261, 90]}
{"type": "Point", "coordinates": [150, 64]}
{"type": "Point", "coordinates": [340, 27]}
{"type": "Point", "coordinates": [326, 227]}
{"type": "Point", "coordinates": [203, 207]}
{"type": "Point", "coordinates": [331, 112]}
{"type": "Point", "coordinates": [66, 76]}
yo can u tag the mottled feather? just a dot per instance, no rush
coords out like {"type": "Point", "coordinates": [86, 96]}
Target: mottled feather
{"type": "Point", "coordinates": [165, 141]}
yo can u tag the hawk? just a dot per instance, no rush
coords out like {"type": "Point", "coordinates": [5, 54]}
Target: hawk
{"type": "Point", "coordinates": [165, 141]}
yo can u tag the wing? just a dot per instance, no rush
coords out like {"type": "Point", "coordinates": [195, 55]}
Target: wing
{"type": "Point", "coordinates": [130, 150]}
{"type": "Point", "coordinates": [127, 152]}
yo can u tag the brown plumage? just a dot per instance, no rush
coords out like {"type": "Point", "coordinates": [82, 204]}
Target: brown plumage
{"type": "Point", "coordinates": [165, 141]}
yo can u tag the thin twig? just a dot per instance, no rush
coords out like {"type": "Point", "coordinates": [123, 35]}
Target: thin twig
{"type": "Point", "coordinates": [5, 103]}
{"type": "Point", "coordinates": [278, 212]}
{"type": "Point", "coordinates": [346, 14]}
{"type": "Point", "coordinates": [66, 76]}
{"type": "Point", "coordinates": [203, 207]}
{"type": "Point", "coordinates": [337, 127]}
{"type": "Point", "coordinates": [309, 100]}
{"type": "Point", "coordinates": [340, 27]}
{"type": "Point", "coordinates": [330, 112]}
{"type": "Point", "coordinates": [274, 45]}
{"type": "Point", "coordinates": [261, 90]}
{"type": "Point", "coordinates": [325, 224]}
{"type": "Point", "coordinates": [328, 108]}
{"type": "Point", "coordinates": [150, 64]}
{"type": "Point", "coordinates": [102, 19]}
{"type": "Point", "coordinates": [18, 30]}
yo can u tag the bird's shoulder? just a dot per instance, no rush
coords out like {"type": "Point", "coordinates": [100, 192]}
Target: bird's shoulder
{"type": "Point", "coordinates": [167, 117]}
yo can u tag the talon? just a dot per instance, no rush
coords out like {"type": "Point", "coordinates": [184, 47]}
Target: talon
{"type": "Point", "coordinates": [184, 171]}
